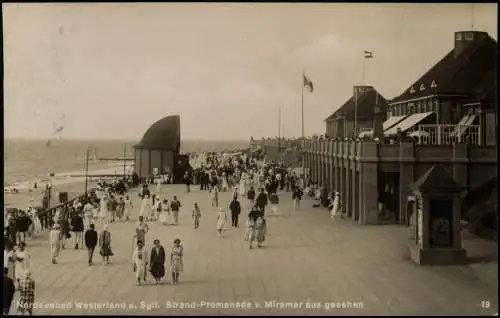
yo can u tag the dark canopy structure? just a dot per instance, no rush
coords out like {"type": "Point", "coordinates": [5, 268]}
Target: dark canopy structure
{"type": "Point", "coordinates": [159, 147]}
{"type": "Point", "coordinates": [165, 134]}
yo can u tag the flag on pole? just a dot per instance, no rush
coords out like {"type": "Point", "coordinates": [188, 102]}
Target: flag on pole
{"type": "Point", "coordinates": [368, 55]}
{"type": "Point", "coordinates": [308, 83]}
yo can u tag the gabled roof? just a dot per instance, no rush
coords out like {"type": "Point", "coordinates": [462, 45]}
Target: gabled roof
{"type": "Point", "coordinates": [486, 90]}
{"type": "Point", "coordinates": [436, 178]}
{"type": "Point", "coordinates": [366, 106]}
{"type": "Point", "coordinates": [455, 73]}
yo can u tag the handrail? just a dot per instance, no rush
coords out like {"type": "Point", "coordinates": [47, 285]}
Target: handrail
{"type": "Point", "coordinates": [46, 216]}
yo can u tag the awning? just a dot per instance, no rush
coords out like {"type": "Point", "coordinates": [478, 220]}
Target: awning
{"type": "Point", "coordinates": [391, 121]}
{"type": "Point", "coordinates": [463, 124]}
{"type": "Point", "coordinates": [407, 123]}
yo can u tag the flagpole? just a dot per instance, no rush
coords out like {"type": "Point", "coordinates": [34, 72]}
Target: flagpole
{"type": "Point", "coordinates": [355, 111]}
{"type": "Point", "coordinates": [279, 128]}
{"type": "Point", "coordinates": [302, 109]}
{"type": "Point", "coordinates": [472, 16]}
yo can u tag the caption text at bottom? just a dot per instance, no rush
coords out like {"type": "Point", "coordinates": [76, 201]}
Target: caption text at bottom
{"type": "Point", "coordinates": [200, 305]}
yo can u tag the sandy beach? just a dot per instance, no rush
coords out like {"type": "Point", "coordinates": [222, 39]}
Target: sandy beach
{"type": "Point", "coordinates": [22, 199]}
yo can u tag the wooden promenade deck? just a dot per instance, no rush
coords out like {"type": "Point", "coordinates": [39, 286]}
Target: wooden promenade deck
{"type": "Point", "coordinates": [308, 258]}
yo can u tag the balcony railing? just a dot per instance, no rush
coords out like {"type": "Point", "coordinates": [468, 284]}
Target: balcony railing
{"type": "Point", "coordinates": [446, 134]}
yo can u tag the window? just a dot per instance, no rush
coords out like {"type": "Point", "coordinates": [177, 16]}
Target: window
{"type": "Point", "coordinates": [469, 36]}
{"type": "Point", "coordinates": [411, 109]}
{"type": "Point", "coordinates": [458, 36]}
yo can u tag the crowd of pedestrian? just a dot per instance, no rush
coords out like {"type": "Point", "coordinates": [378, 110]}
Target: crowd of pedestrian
{"type": "Point", "coordinates": [254, 184]}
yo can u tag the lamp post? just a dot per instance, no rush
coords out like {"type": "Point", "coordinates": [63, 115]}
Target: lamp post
{"type": "Point", "coordinates": [87, 168]}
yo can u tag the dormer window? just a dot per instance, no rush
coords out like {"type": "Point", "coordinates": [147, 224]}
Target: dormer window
{"type": "Point", "coordinates": [433, 84]}
{"type": "Point", "coordinates": [412, 90]}
{"type": "Point", "coordinates": [422, 87]}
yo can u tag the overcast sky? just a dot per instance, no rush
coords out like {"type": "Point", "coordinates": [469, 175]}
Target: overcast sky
{"type": "Point", "coordinates": [111, 70]}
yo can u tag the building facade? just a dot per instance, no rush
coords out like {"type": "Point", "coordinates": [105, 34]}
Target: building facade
{"type": "Point", "coordinates": [360, 109]}
{"type": "Point", "coordinates": [451, 112]}
{"type": "Point", "coordinates": [456, 98]}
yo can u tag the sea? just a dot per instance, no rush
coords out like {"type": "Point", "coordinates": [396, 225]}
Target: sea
{"type": "Point", "coordinates": [29, 161]}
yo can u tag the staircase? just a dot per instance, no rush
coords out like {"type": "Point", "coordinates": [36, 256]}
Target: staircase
{"type": "Point", "coordinates": [480, 210]}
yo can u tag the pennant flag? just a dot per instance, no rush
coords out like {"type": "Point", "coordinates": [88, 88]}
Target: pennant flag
{"type": "Point", "coordinates": [308, 83]}
{"type": "Point", "coordinates": [368, 55]}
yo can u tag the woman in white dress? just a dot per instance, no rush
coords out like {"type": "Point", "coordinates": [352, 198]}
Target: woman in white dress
{"type": "Point", "coordinates": [221, 222]}
{"type": "Point", "coordinates": [55, 242]}
{"type": "Point", "coordinates": [145, 206]}
{"type": "Point", "coordinates": [243, 188]}
{"type": "Point", "coordinates": [37, 225]}
{"type": "Point", "coordinates": [335, 206]}
{"type": "Point", "coordinates": [215, 197]}
{"type": "Point", "coordinates": [88, 214]}
{"type": "Point", "coordinates": [129, 206]}
{"type": "Point", "coordinates": [165, 212]}
{"type": "Point", "coordinates": [140, 262]}
{"type": "Point", "coordinates": [158, 186]}
{"type": "Point", "coordinates": [103, 209]}
{"type": "Point", "coordinates": [225, 185]}
{"type": "Point", "coordinates": [256, 179]}
{"type": "Point", "coordinates": [23, 261]}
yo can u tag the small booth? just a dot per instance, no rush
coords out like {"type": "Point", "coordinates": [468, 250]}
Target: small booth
{"type": "Point", "coordinates": [435, 225]}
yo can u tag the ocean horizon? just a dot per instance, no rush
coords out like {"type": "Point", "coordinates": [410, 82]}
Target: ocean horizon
{"type": "Point", "coordinates": [30, 159]}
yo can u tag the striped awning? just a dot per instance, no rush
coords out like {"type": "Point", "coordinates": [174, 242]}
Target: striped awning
{"type": "Point", "coordinates": [407, 123]}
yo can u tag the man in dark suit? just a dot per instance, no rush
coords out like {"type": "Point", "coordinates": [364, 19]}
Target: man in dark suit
{"type": "Point", "coordinates": [91, 239]}
{"type": "Point", "coordinates": [235, 208]}
{"type": "Point", "coordinates": [262, 201]}
{"type": "Point", "coordinates": [8, 291]}
{"type": "Point", "coordinates": [77, 228]}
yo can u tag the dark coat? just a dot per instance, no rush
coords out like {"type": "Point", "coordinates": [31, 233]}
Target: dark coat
{"type": "Point", "coordinates": [8, 293]}
{"type": "Point", "coordinates": [235, 207]}
{"type": "Point", "coordinates": [157, 262]}
{"type": "Point", "coordinates": [175, 205]}
{"type": "Point", "coordinates": [297, 194]}
{"type": "Point", "coordinates": [251, 194]}
{"type": "Point", "coordinates": [23, 223]}
{"type": "Point", "coordinates": [64, 226]}
{"type": "Point", "coordinates": [274, 198]}
{"type": "Point", "coordinates": [91, 238]}
{"type": "Point", "coordinates": [262, 200]}
{"type": "Point", "coordinates": [77, 223]}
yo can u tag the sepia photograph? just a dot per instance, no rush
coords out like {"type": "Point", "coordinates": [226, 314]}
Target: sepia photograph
{"type": "Point", "coordinates": [246, 158]}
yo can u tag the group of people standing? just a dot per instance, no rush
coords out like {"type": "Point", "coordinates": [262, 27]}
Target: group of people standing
{"type": "Point", "coordinates": [154, 262]}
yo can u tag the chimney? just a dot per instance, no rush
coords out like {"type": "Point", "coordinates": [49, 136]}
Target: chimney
{"type": "Point", "coordinates": [464, 38]}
